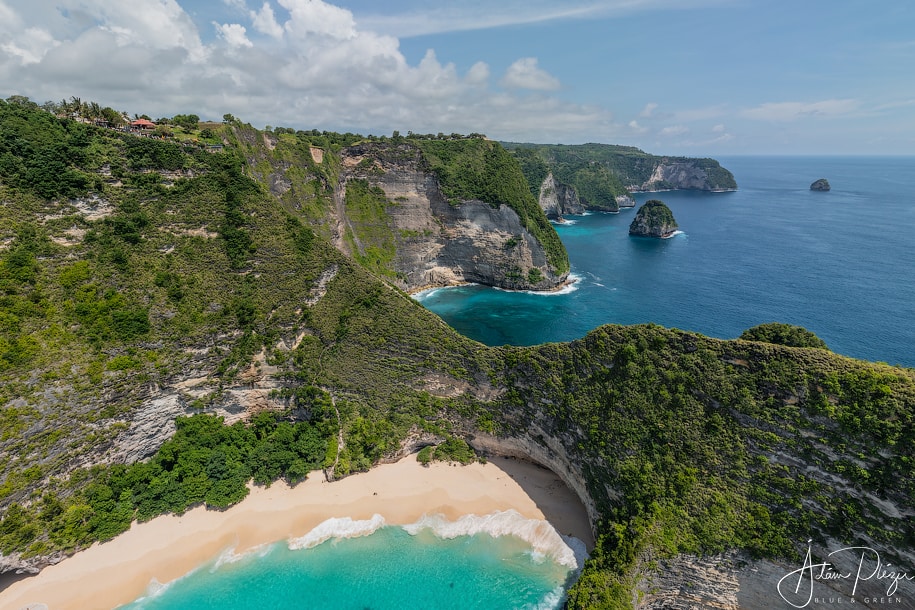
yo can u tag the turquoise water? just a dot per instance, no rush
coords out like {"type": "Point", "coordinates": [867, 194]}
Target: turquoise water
{"type": "Point", "coordinates": [841, 264]}
{"type": "Point", "coordinates": [389, 569]}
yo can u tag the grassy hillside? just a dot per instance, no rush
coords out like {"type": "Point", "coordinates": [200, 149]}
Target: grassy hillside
{"type": "Point", "coordinates": [129, 265]}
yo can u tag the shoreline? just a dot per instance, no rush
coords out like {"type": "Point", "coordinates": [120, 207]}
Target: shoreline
{"type": "Point", "coordinates": [171, 546]}
{"type": "Point", "coordinates": [569, 281]}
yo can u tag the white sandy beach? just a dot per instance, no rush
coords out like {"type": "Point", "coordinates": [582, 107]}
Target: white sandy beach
{"type": "Point", "coordinates": [117, 572]}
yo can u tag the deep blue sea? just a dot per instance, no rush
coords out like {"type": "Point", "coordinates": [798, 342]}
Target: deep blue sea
{"type": "Point", "coordinates": [840, 263]}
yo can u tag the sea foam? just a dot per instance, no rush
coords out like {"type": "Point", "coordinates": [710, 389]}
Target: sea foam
{"type": "Point", "coordinates": [336, 528]}
{"type": "Point", "coordinates": [539, 534]}
{"type": "Point", "coordinates": [571, 286]}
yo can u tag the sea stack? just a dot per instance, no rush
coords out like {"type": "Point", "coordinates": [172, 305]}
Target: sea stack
{"type": "Point", "coordinates": [820, 185]}
{"type": "Point", "coordinates": [653, 219]}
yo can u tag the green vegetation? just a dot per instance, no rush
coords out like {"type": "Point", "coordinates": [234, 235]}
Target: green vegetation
{"type": "Point", "coordinates": [171, 264]}
{"type": "Point", "coordinates": [373, 244]}
{"type": "Point", "coordinates": [599, 172]}
{"type": "Point", "coordinates": [596, 185]}
{"type": "Point", "coordinates": [453, 449]}
{"type": "Point", "coordinates": [690, 434]}
{"type": "Point", "coordinates": [481, 169]}
{"type": "Point", "coordinates": [783, 334]}
{"type": "Point", "coordinates": [204, 462]}
{"type": "Point", "coordinates": [653, 218]}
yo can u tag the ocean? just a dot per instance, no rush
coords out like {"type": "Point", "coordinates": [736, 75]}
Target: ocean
{"type": "Point", "coordinates": [363, 565]}
{"type": "Point", "coordinates": [839, 263]}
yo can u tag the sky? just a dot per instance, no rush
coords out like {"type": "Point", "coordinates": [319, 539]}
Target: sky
{"type": "Point", "coordinates": [690, 77]}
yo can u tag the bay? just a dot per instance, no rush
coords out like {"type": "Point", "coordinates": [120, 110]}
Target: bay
{"type": "Point", "coordinates": [839, 263]}
{"type": "Point", "coordinates": [390, 569]}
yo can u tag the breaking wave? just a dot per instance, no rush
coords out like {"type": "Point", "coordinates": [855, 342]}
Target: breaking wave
{"type": "Point", "coordinates": [336, 528]}
{"type": "Point", "coordinates": [539, 534]}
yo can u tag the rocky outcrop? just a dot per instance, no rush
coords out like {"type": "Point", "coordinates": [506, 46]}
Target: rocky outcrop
{"type": "Point", "coordinates": [434, 241]}
{"type": "Point", "coordinates": [537, 446]}
{"type": "Point", "coordinates": [689, 174]}
{"type": "Point", "coordinates": [625, 201]}
{"type": "Point", "coordinates": [654, 219]}
{"type": "Point", "coordinates": [734, 580]}
{"type": "Point", "coordinates": [820, 185]}
{"type": "Point", "coordinates": [557, 199]}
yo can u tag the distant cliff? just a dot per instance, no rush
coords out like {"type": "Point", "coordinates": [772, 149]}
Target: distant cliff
{"type": "Point", "coordinates": [603, 176]}
{"type": "Point", "coordinates": [418, 212]}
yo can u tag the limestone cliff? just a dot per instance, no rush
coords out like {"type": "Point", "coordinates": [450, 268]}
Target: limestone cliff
{"type": "Point", "coordinates": [688, 174]}
{"type": "Point", "coordinates": [383, 203]}
{"type": "Point", "coordinates": [425, 239]}
{"type": "Point", "coordinates": [557, 199]}
{"type": "Point", "coordinates": [602, 173]}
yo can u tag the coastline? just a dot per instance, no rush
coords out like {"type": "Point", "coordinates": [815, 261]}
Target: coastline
{"type": "Point", "coordinates": [569, 281]}
{"type": "Point", "coordinates": [168, 547]}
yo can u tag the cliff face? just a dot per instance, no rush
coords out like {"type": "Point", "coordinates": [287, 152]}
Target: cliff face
{"type": "Point", "coordinates": [431, 241]}
{"type": "Point", "coordinates": [689, 174]}
{"type": "Point", "coordinates": [382, 204]}
{"type": "Point", "coordinates": [601, 173]}
{"type": "Point", "coordinates": [557, 199]}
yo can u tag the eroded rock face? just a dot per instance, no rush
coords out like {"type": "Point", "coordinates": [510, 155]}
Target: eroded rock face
{"type": "Point", "coordinates": [685, 174]}
{"type": "Point", "coordinates": [557, 199]}
{"type": "Point", "coordinates": [437, 242]}
{"type": "Point", "coordinates": [734, 580]}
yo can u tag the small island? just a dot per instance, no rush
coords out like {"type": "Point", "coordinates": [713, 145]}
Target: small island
{"type": "Point", "coordinates": [820, 185]}
{"type": "Point", "coordinates": [654, 219]}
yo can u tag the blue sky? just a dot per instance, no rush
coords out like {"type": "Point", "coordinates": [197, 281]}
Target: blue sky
{"type": "Point", "coordinates": [695, 77]}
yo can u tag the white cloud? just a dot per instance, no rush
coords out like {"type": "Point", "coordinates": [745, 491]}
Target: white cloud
{"type": "Point", "coordinates": [478, 74]}
{"type": "Point", "coordinates": [234, 34]}
{"type": "Point", "coordinates": [636, 128]}
{"type": "Point", "coordinates": [526, 74]}
{"type": "Point", "coordinates": [466, 15]}
{"type": "Point", "coordinates": [314, 68]}
{"type": "Point", "coordinates": [792, 111]}
{"type": "Point", "coordinates": [30, 46]}
{"type": "Point", "coordinates": [674, 130]}
{"type": "Point", "coordinates": [648, 110]}
{"type": "Point", "coordinates": [264, 21]}
{"type": "Point", "coordinates": [719, 128]}
{"type": "Point", "coordinates": [318, 17]}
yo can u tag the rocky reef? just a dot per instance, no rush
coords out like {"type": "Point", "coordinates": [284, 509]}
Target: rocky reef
{"type": "Point", "coordinates": [821, 184]}
{"type": "Point", "coordinates": [654, 219]}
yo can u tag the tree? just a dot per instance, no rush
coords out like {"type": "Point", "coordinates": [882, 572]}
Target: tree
{"type": "Point", "coordinates": [187, 122]}
{"type": "Point", "coordinates": [228, 118]}
{"type": "Point", "coordinates": [783, 334]}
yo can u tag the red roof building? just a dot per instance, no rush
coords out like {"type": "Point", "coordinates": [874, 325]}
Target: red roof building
{"type": "Point", "coordinates": [142, 124]}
